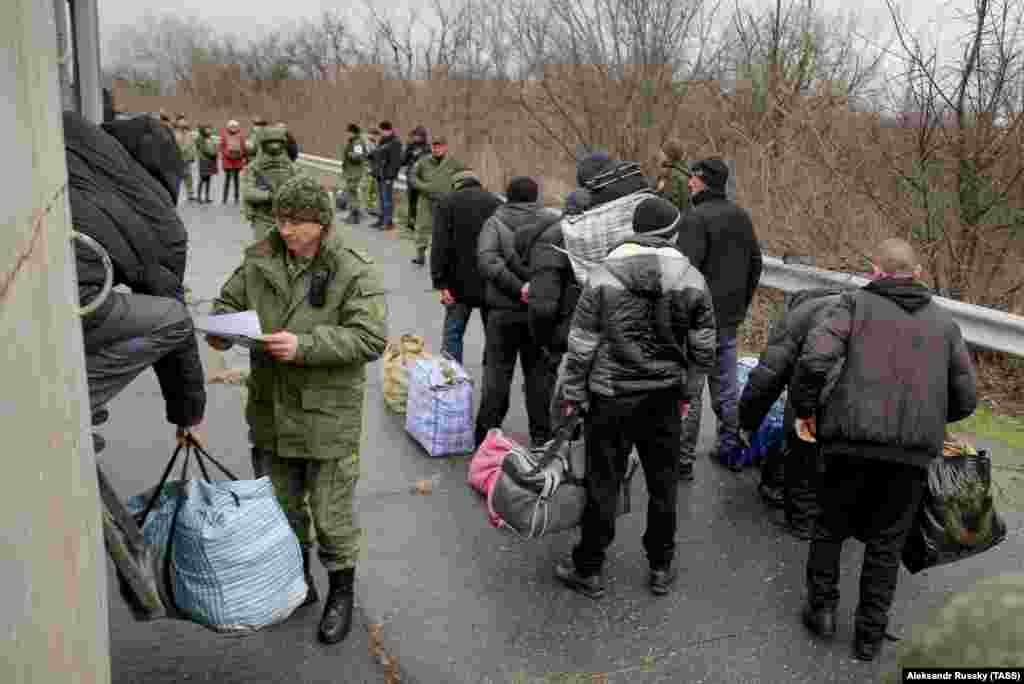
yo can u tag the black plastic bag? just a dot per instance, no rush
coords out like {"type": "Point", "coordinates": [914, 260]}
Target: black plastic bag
{"type": "Point", "coordinates": [957, 518]}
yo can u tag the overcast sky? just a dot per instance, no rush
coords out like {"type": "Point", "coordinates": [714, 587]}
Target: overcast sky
{"type": "Point", "coordinates": [254, 18]}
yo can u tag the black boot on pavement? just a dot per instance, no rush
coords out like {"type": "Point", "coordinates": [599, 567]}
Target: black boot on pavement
{"type": "Point", "coordinates": [821, 621]}
{"type": "Point", "coordinates": [337, 620]}
{"type": "Point", "coordinates": [662, 580]}
{"type": "Point", "coordinates": [866, 648]}
{"type": "Point", "coordinates": [311, 595]}
{"type": "Point", "coordinates": [685, 471]}
{"type": "Point", "coordinates": [353, 218]}
{"type": "Point", "coordinates": [98, 443]}
{"type": "Point", "coordinates": [421, 257]}
{"type": "Point", "coordinates": [591, 587]}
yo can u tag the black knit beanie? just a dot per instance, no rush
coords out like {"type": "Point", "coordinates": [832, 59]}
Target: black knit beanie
{"type": "Point", "coordinates": [657, 217]}
{"type": "Point", "coordinates": [522, 189]}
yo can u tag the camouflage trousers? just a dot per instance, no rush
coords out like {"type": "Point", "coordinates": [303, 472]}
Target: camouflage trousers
{"type": "Point", "coordinates": [371, 191]}
{"type": "Point", "coordinates": [317, 496]}
{"type": "Point", "coordinates": [352, 189]}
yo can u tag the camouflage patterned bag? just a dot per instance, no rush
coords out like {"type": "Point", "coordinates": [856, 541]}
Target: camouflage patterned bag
{"type": "Point", "coordinates": [957, 519]}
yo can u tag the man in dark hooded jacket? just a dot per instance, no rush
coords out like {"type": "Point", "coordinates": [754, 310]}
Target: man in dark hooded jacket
{"type": "Point", "coordinates": [127, 206]}
{"type": "Point", "coordinates": [643, 332]}
{"type": "Point", "coordinates": [508, 329]}
{"type": "Point", "coordinates": [767, 381]}
{"type": "Point", "coordinates": [876, 383]}
{"type": "Point", "coordinates": [459, 217]}
{"type": "Point", "coordinates": [718, 237]}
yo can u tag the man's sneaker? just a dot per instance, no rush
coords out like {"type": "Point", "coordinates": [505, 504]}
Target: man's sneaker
{"type": "Point", "coordinates": [662, 580]}
{"type": "Point", "coordinates": [685, 471]}
{"type": "Point", "coordinates": [821, 621]}
{"type": "Point", "coordinates": [591, 587]}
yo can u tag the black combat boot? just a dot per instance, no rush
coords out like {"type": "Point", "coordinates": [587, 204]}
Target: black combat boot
{"type": "Point", "coordinates": [337, 619]}
{"type": "Point", "coordinates": [353, 218]}
{"type": "Point", "coordinates": [421, 256]}
{"type": "Point", "coordinates": [311, 595]}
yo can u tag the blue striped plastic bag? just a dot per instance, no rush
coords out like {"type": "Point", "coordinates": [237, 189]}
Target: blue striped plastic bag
{"type": "Point", "coordinates": [235, 565]}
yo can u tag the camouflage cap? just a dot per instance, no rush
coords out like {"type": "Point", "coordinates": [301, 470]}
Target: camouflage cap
{"type": "Point", "coordinates": [302, 199]}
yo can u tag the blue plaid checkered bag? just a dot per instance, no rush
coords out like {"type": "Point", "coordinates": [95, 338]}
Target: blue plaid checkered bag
{"type": "Point", "coordinates": [439, 412]}
{"type": "Point", "coordinates": [772, 432]}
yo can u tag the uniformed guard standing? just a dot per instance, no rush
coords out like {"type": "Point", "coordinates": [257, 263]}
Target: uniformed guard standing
{"type": "Point", "coordinates": [263, 177]}
{"type": "Point", "coordinates": [353, 168]}
{"type": "Point", "coordinates": [323, 305]}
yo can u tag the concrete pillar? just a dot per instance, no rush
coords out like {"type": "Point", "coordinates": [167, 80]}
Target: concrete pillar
{"type": "Point", "coordinates": [86, 23]}
{"type": "Point", "coordinates": [53, 602]}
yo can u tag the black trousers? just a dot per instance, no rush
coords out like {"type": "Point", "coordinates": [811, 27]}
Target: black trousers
{"type": "Point", "coordinates": [875, 501]}
{"type": "Point", "coordinates": [204, 188]}
{"type": "Point", "coordinates": [230, 176]}
{"type": "Point", "coordinates": [801, 480]}
{"type": "Point", "coordinates": [612, 427]}
{"type": "Point", "coordinates": [508, 338]}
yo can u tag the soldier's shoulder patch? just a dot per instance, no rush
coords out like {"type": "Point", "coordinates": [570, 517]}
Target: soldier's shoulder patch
{"type": "Point", "coordinates": [360, 254]}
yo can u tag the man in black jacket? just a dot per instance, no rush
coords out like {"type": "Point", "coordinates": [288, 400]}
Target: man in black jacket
{"type": "Point", "coordinates": [128, 208]}
{"type": "Point", "coordinates": [643, 332]}
{"type": "Point", "coordinates": [718, 238]}
{"type": "Point", "coordinates": [387, 160]}
{"type": "Point", "coordinates": [417, 148]}
{"type": "Point", "coordinates": [767, 381]}
{"type": "Point", "coordinates": [894, 369]}
{"type": "Point", "coordinates": [508, 328]}
{"type": "Point", "coordinates": [459, 217]}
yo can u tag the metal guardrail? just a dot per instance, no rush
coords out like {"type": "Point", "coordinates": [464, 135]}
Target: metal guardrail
{"type": "Point", "coordinates": [333, 167]}
{"type": "Point", "coordinates": [981, 327]}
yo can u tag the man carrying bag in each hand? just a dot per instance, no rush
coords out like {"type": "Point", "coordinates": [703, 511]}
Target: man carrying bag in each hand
{"type": "Point", "coordinates": [643, 332]}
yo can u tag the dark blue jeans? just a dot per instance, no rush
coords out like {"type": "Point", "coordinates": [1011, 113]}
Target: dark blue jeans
{"type": "Point", "coordinates": [456, 320]}
{"type": "Point", "coordinates": [724, 389]}
{"type": "Point", "coordinates": [386, 191]}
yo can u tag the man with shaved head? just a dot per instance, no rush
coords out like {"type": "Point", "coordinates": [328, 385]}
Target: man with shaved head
{"type": "Point", "coordinates": [877, 380]}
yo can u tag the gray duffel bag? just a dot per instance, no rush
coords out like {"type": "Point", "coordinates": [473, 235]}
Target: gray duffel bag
{"type": "Point", "coordinates": [542, 491]}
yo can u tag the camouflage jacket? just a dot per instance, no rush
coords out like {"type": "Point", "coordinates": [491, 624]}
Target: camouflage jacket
{"type": "Point", "coordinates": [673, 185]}
{"type": "Point", "coordinates": [311, 407]}
{"type": "Point", "coordinates": [432, 178]}
{"type": "Point", "coordinates": [353, 162]}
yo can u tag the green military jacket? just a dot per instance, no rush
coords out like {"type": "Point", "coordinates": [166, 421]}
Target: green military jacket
{"type": "Point", "coordinates": [206, 148]}
{"type": "Point", "coordinates": [350, 168]}
{"type": "Point", "coordinates": [186, 145]}
{"type": "Point", "coordinates": [432, 178]}
{"type": "Point", "coordinates": [673, 185]}
{"type": "Point", "coordinates": [259, 204]}
{"type": "Point", "coordinates": [311, 407]}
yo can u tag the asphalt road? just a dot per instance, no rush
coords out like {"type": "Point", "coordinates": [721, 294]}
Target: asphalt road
{"type": "Point", "coordinates": [461, 602]}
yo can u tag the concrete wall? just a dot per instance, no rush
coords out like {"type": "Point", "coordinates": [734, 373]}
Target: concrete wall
{"type": "Point", "coordinates": [53, 603]}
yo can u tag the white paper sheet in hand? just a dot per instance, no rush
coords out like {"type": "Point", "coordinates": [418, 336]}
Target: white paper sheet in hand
{"type": "Point", "coordinates": [241, 328]}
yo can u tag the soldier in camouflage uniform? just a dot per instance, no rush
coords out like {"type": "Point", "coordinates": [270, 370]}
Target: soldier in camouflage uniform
{"type": "Point", "coordinates": [982, 628]}
{"type": "Point", "coordinates": [353, 168]}
{"type": "Point", "coordinates": [370, 180]}
{"type": "Point", "coordinates": [431, 177]}
{"type": "Point", "coordinates": [263, 177]}
{"type": "Point", "coordinates": [324, 300]}
{"type": "Point", "coordinates": [674, 175]}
